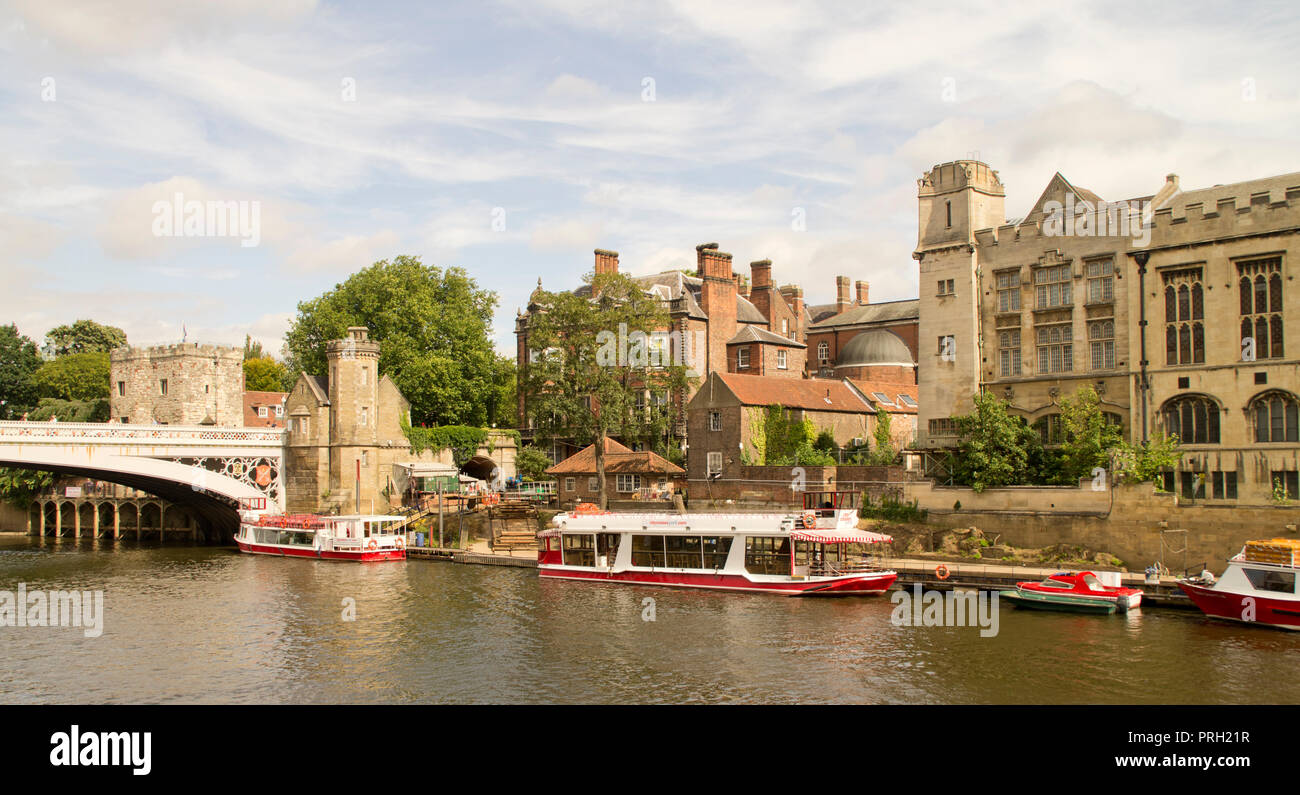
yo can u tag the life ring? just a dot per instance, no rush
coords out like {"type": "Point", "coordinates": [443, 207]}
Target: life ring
{"type": "Point", "coordinates": [372, 544]}
{"type": "Point", "coordinates": [810, 519]}
{"type": "Point", "coordinates": [400, 542]}
{"type": "Point", "coordinates": [941, 571]}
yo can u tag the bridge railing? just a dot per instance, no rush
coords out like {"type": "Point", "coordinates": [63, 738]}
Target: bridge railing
{"type": "Point", "coordinates": [108, 432]}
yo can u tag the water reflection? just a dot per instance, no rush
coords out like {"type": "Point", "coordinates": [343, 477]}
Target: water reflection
{"type": "Point", "coordinates": [198, 624]}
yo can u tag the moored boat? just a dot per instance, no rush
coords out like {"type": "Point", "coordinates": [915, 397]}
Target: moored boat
{"type": "Point", "coordinates": [361, 538]}
{"type": "Point", "coordinates": [816, 552]}
{"type": "Point", "coordinates": [1073, 591]}
{"type": "Point", "coordinates": [1258, 587]}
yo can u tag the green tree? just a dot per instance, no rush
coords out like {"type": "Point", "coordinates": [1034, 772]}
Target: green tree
{"type": "Point", "coordinates": [252, 348]}
{"type": "Point", "coordinates": [71, 410]}
{"type": "Point", "coordinates": [19, 486]}
{"type": "Point", "coordinates": [595, 358]}
{"type": "Point", "coordinates": [76, 376]}
{"type": "Point", "coordinates": [1088, 438]}
{"type": "Point", "coordinates": [995, 446]}
{"type": "Point", "coordinates": [83, 336]}
{"type": "Point", "coordinates": [433, 326]}
{"type": "Point", "coordinates": [531, 463]}
{"type": "Point", "coordinates": [264, 374]}
{"type": "Point", "coordinates": [884, 453]}
{"type": "Point", "coordinates": [19, 361]}
{"type": "Point", "coordinates": [789, 440]}
{"type": "Point", "coordinates": [1139, 463]}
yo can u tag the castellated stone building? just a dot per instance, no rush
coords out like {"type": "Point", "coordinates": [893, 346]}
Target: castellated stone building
{"type": "Point", "coordinates": [345, 432]}
{"type": "Point", "coordinates": [1119, 296]}
{"type": "Point", "coordinates": [182, 384]}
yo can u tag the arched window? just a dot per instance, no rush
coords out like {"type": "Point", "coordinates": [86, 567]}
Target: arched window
{"type": "Point", "coordinates": [1261, 307]}
{"type": "Point", "coordinates": [1184, 316]}
{"type": "Point", "coordinates": [823, 352]}
{"type": "Point", "coordinates": [1049, 429]}
{"type": "Point", "coordinates": [1194, 419]}
{"type": "Point", "coordinates": [1275, 417]}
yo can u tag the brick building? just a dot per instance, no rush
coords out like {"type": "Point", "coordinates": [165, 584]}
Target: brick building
{"type": "Point", "coordinates": [628, 473]}
{"type": "Point", "coordinates": [1119, 296]}
{"type": "Point", "coordinates": [264, 409]}
{"type": "Point", "coordinates": [181, 384]}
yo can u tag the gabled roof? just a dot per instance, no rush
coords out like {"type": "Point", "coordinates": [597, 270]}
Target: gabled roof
{"type": "Point", "coordinates": [1057, 189]}
{"type": "Point", "coordinates": [319, 386]}
{"type": "Point", "coordinates": [884, 312]}
{"type": "Point", "coordinates": [618, 460]}
{"type": "Point", "coordinates": [809, 394]}
{"type": "Point", "coordinates": [757, 334]}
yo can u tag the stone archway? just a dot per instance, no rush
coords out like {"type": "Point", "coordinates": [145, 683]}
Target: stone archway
{"type": "Point", "coordinates": [480, 467]}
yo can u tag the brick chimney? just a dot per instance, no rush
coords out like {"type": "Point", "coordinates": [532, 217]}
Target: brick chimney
{"type": "Point", "coordinates": [761, 270]}
{"type": "Point", "coordinates": [794, 298]}
{"type": "Point", "coordinates": [742, 285]}
{"type": "Point", "coordinates": [862, 293]}
{"type": "Point", "coordinates": [760, 293]}
{"type": "Point", "coordinates": [842, 294]}
{"type": "Point", "coordinates": [606, 261]}
{"type": "Point", "coordinates": [718, 300]}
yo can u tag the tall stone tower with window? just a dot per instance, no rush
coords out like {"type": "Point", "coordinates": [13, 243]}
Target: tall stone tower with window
{"type": "Point", "coordinates": [955, 199]}
{"type": "Point", "coordinates": [354, 410]}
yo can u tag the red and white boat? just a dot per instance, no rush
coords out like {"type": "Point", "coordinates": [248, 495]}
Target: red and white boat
{"type": "Point", "coordinates": [817, 552]}
{"type": "Point", "coordinates": [1078, 591]}
{"type": "Point", "coordinates": [361, 537]}
{"type": "Point", "coordinates": [1258, 587]}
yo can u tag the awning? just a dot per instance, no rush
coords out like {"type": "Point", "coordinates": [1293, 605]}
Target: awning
{"type": "Point", "coordinates": [840, 536]}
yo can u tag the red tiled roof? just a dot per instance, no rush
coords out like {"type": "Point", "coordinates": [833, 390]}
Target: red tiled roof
{"type": "Point", "coordinates": [810, 394]}
{"type": "Point", "coordinates": [891, 390]}
{"type": "Point", "coordinates": [269, 399]}
{"type": "Point", "coordinates": [618, 459]}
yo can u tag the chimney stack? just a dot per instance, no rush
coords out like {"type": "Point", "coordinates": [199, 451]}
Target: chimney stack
{"type": "Point", "coordinates": [606, 261]}
{"type": "Point", "coordinates": [718, 300]}
{"type": "Point", "coordinates": [842, 293]}
{"type": "Point", "coordinates": [862, 293]}
{"type": "Point", "coordinates": [761, 270]}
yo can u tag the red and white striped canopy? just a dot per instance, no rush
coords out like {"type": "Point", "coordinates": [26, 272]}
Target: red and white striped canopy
{"type": "Point", "coordinates": [841, 536]}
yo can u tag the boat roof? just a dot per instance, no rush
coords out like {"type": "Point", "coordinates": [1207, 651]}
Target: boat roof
{"type": "Point", "coordinates": [839, 528]}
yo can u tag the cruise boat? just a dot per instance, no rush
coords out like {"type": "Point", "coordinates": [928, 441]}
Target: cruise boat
{"type": "Point", "coordinates": [359, 537]}
{"type": "Point", "coordinates": [816, 552]}
{"type": "Point", "coordinates": [1073, 591]}
{"type": "Point", "coordinates": [1258, 587]}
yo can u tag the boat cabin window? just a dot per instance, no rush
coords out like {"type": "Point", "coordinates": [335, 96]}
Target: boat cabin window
{"type": "Point", "coordinates": [767, 555]}
{"type": "Point", "coordinates": [648, 551]}
{"type": "Point", "coordinates": [579, 549]}
{"type": "Point", "coordinates": [1265, 580]}
{"type": "Point", "coordinates": [607, 548]}
{"type": "Point", "coordinates": [716, 549]}
{"type": "Point", "coordinates": [683, 552]}
{"type": "Point", "coordinates": [1093, 583]}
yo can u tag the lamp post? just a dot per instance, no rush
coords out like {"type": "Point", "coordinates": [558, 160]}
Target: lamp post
{"type": "Point", "coordinates": [1141, 258]}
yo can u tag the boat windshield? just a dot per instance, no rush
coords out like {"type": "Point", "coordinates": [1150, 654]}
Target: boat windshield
{"type": "Point", "coordinates": [1050, 583]}
{"type": "Point", "coordinates": [1093, 583]}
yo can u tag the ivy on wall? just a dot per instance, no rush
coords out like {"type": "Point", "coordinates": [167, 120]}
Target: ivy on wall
{"type": "Point", "coordinates": [463, 441]}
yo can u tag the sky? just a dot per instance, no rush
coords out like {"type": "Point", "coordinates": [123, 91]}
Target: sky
{"type": "Point", "coordinates": [512, 137]}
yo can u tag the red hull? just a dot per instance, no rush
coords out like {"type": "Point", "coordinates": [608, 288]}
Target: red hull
{"type": "Point", "coordinates": [299, 552]}
{"type": "Point", "coordinates": [1282, 613]}
{"type": "Point", "coordinates": [864, 585]}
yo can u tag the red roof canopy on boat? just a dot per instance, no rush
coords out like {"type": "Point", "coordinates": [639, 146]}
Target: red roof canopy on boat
{"type": "Point", "coordinates": [841, 536]}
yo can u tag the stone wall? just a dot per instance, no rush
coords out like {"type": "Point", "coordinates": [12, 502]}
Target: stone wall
{"type": "Point", "coordinates": [1131, 521]}
{"type": "Point", "coordinates": [183, 384]}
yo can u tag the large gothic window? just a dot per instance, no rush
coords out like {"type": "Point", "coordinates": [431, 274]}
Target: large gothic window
{"type": "Point", "coordinates": [1275, 417]}
{"type": "Point", "coordinates": [1184, 317]}
{"type": "Point", "coordinates": [1260, 292]}
{"type": "Point", "coordinates": [1193, 419]}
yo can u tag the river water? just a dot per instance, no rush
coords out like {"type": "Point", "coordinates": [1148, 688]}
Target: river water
{"type": "Point", "coordinates": [208, 625]}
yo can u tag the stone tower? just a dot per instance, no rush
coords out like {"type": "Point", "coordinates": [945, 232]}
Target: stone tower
{"type": "Point", "coordinates": [954, 201]}
{"type": "Point", "coordinates": [354, 409]}
{"type": "Point", "coordinates": [180, 384]}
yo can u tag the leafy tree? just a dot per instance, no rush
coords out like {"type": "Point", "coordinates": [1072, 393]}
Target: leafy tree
{"type": "Point", "coordinates": [433, 326]}
{"type": "Point", "coordinates": [264, 374]}
{"type": "Point", "coordinates": [1138, 463]}
{"type": "Point", "coordinates": [19, 361]}
{"type": "Point", "coordinates": [83, 336]}
{"type": "Point", "coordinates": [76, 376]}
{"type": "Point", "coordinates": [884, 454]}
{"type": "Point", "coordinates": [531, 463]}
{"type": "Point", "coordinates": [825, 442]}
{"type": "Point", "coordinates": [1087, 436]}
{"type": "Point", "coordinates": [596, 358]}
{"type": "Point", "coordinates": [19, 486]}
{"type": "Point", "coordinates": [252, 349]}
{"type": "Point", "coordinates": [71, 410]}
{"type": "Point", "coordinates": [995, 446]}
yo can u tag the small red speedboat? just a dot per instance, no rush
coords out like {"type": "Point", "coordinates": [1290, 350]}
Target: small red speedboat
{"type": "Point", "coordinates": [1074, 590]}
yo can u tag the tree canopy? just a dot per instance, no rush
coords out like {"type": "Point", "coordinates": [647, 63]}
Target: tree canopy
{"type": "Point", "coordinates": [83, 336]}
{"type": "Point", "coordinates": [598, 365]}
{"type": "Point", "coordinates": [19, 361]}
{"type": "Point", "coordinates": [996, 446]}
{"type": "Point", "coordinates": [76, 376]}
{"type": "Point", "coordinates": [434, 328]}
{"type": "Point", "coordinates": [264, 374]}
